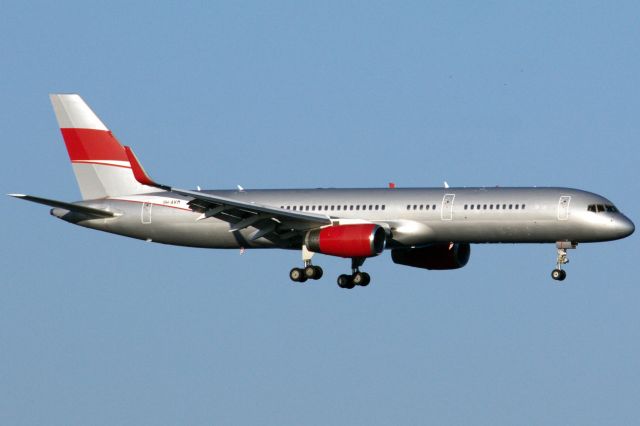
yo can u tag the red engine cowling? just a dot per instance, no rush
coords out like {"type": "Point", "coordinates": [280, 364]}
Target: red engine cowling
{"type": "Point", "coordinates": [435, 256]}
{"type": "Point", "coordinates": [360, 240]}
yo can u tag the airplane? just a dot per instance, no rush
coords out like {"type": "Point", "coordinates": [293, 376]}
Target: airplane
{"type": "Point", "coordinates": [429, 228]}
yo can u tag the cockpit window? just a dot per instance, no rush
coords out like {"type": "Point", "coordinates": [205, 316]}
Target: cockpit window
{"type": "Point", "coordinates": [599, 208]}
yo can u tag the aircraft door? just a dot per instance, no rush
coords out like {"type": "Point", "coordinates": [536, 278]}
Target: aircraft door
{"type": "Point", "coordinates": [146, 212]}
{"type": "Point", "coordinates": [563, 207]}
{"type": "Point", "coordinates": [447, 207]}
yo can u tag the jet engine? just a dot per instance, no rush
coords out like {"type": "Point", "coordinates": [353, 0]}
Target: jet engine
{"type": "Point", "coordinates": [436, 256]}
{"type": "Point", "coordinates": [358, 240]}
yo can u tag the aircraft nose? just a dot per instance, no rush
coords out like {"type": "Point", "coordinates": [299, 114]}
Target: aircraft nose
{"type": "Point", "coordinates": [625, 227]}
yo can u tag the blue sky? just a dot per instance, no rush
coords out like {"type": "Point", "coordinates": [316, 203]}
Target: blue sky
{"type": "Point", "coordinates": [100, 329]}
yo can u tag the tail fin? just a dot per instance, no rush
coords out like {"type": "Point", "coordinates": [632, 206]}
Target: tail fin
{"type": "Point", "coordinates": [99, 162]}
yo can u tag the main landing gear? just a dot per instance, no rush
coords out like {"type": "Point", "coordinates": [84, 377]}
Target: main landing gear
{"type": "Point", "coordinates": [313, 272]}
{"type": "Point", "coordinates": [560, 274]}
{"type": "Point", "coordinates": [309, 272]}
{"type": "Point", "coordinates": [356, 278]}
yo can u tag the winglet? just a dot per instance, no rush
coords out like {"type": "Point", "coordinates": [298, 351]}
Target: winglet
{"type": "Point", "coordinates": [139, 172]}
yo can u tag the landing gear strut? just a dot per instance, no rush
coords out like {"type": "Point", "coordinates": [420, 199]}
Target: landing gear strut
{"type": "Point", "coordinates": [356, 278]}
{"type": "Point", "coordinates": [560, 274]}
{"type": "Point", "coordinates": [309, 272]}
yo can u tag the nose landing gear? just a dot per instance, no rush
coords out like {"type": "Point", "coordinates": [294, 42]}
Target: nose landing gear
{"type": "Point", "coordinates": [560, 274]}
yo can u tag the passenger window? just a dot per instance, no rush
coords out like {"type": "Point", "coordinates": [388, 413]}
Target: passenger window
{"type": "Point", "coordinates": [510, 206]}
{"type": "Point", "coordinates": [383, 206]}
{"type": "Point", "coordinates": [471, 206]}
{"type": "Point", "coordinates": [504, 207]}
{"type": "Point", "coordinates": [408, 207]}
{"type": "Point", "coordinates": [415, 207]}
{"type": "Point", "coordinates": [433, 207]}
{"type": "Point", "coordinates": [351, 207]}
{"type": "Point", "coordinates": [497, 206]}
{"type": "Point", "coordinates": [421, 206]}
{"type": "Point", "coordinates": [465, 206]}
{"type": "Point", "coordinates": [490, 206]}
{"type": "Point", "coordinates": [484, 207]}
{"type": "Point", "coordinates": [478, 206]}
{"type": "Point", "coordinates": [377, 205]}
{"type": "Point", "coordinates": [523, 206]}
{"type": "Point", "coordinates": [517, 206]}
{"type": "Point", "coordinates": [338, 208]}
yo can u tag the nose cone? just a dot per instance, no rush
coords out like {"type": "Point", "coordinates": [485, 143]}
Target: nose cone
{"type": "Point", "coordinates": [624, 227]}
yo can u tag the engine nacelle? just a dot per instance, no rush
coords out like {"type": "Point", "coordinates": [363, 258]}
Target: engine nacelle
{"type": "Point", "coordinates": [436, 256]}
{"type": "Point", "coordinates": [358, 240]}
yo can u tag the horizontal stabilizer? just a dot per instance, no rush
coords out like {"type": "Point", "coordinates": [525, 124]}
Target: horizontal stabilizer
{"type": "Point", "coordinates": [89, 211]}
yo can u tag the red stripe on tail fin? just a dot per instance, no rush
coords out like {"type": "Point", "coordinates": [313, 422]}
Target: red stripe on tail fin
{"type": "Point", "coordinates": [90, 144]}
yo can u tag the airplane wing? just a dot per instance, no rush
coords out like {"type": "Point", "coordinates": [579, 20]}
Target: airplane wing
{"type": "Point", "coordinates": [88, 211]}
{"type": "Point", "coordinates": [268, 220]}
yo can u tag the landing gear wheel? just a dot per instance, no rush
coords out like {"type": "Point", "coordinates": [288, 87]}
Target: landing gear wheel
{"type": "Point", "coordinates": [297, 275]}
{"type": "Point", "coordinates": [313, 272]}
{"type": "Point", "coordinates": [319, 272]}
{"type": "Point", "coordinates": [361, 278]}
{"type": "Point", "coordinates": [558, 274]}
{"type": "Point", "coordinates": [345, 281]}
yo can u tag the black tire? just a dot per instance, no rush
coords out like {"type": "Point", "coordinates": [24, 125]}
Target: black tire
{"type": "Point", "coordinates": [313, 272]}
{"type": "Point", "coordinates": [297, 275]}
{"type": "Point", "coordinates": [319, 272]}
{"type": "Point", "coordinates": [310, 272]}
{"type": "Point", "coordinates": [345, 281]}
{"type": "Point", "coordinates": [366, 279]}
{"type": "Point", "coordinates": [361, 278]}
{"type": "Point", "coordinates": [558, 274]}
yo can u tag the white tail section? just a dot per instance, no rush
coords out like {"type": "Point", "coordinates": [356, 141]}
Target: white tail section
{"type": "Point", "coordinates": [99, 162]}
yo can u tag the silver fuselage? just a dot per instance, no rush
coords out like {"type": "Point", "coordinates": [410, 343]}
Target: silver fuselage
{"type": "Point", "coordinates": [411, 216]}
